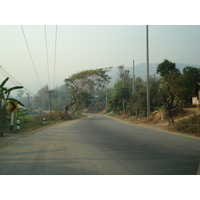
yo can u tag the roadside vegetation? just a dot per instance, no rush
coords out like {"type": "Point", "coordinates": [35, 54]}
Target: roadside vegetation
{"type": "Point", "coordinates": [189, 125]}
{"type": "Point", "coordinates": [87, 91]}
{"type": "Point", "coordinates": [29, 119]}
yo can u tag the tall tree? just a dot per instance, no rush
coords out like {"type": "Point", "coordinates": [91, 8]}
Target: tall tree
{"type": "Point", "coordinates": [122, 91]}
{"type": "Point", "coordinates": [81, 84]}
{"type": "Point", "coordinates": [41, 101]}
{"type": "Point", "coordinates": [169, 90]}
{"type": "Point", "coordinates": [188, 80]}
{"type": "Point", "coordinates": [168, 70]}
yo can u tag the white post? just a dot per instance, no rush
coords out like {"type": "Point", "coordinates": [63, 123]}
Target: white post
{"type": "Point", "coordinates": [18, 124]}
{"type": "Point", "coordinates": [12, 121]}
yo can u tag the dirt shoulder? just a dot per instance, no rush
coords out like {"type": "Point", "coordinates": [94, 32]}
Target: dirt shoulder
{"type": "Point", "coordinates": [163, 126]}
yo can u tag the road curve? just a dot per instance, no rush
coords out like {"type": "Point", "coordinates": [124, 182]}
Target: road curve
{"type": "Point", "coordinates": [99, 145]}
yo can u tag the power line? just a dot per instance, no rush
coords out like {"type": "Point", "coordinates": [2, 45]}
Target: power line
{"type": "Point", "coordinates": [30, 55]}
{"type": "Point", "coordinates": [55, 57]}
{"type": "Point", "coordinates": [47, 54]}
{"type": "Point", "coordinates": [13, 80]}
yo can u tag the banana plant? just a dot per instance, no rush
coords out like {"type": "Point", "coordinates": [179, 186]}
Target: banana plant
{"type": "Point", "coordinates": [5, 98]}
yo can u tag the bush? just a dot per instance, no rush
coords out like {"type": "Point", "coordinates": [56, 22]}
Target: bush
{"type": "Point", "coordinates": [54, 116]}
{"type": "Point", "coordinates": [189, 125]}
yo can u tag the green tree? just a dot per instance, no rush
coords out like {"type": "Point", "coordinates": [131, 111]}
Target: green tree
{"type": "Point", "coordinates": [155, 97]}
{"type": "Point", "coordinates": [41, 100]}
{"type": "Point", "coordinates": [119, 99]}
{"type": "Point", "coordinates": [121, 96]}
{"type": "Point", "coordinates": [98, 102]}
{"type": "Point", "coordinates": [168, 70]}
{"type": "Point", "coordinates": [81, 84]}
{"type": "Point", "coordinates": [137, 101]}
{"type": "Point", "coordinates": [169, 88]}
{"type": "Point", "coordinates": [187, 82]}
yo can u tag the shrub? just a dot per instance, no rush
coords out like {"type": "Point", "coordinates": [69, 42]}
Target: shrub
{"type": "Point", "coordinates": [189, 125]}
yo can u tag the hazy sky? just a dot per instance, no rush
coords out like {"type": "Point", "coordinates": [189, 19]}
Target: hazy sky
{"type": "Point", "coordinates": [88, 47]}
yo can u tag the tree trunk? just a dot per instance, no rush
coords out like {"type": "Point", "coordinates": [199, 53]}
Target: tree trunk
{"type": "Point", "coordinates": [170, 117]}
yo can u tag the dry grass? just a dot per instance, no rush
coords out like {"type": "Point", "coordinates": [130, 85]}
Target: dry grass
{"type": "Point", "coordinates": [189, 125]}
{"type": "Point", "coordinates": [186, 122]}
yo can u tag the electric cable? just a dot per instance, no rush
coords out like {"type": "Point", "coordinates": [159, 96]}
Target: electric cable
{"type": "Point", "coordinates": [13, 80]}
{"type": "Point", "coordinates": [47, 54]}
{"type": "Point", "coordinates": [31, 56]}
{"type": "Point", "coordinates": [55, 57]}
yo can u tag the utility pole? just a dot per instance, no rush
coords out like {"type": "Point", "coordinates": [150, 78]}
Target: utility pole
{"type": "Point", "coordinates": [49, 91]}
{"type": "Point", "coordinates": [133, 89]}
{"type": "Point", "coordinates": [106, 97]}
{"type": "Point", "coordinates": [123, 102]}
{"type": "Point", "coordinates": [148, 95]}
{"type": "Point", "coordinates": [28, 97]}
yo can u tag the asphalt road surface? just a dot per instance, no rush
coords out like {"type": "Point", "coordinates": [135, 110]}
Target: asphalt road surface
{"type": "Point", "coordinates": [99, 145]}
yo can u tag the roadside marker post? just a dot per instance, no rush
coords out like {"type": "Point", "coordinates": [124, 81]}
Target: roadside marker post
{"type": "Point", "coordinates": [43, 120]}
{"type": "Point", "coordinates": [12, 121]}
{"type": "Point", "coordinates": [12, 107]}
{"type": "Point", "coordinates": [18, 124]}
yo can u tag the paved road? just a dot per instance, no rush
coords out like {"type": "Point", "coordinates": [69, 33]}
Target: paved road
{"type": "Point", "coordinates": [101, 145]}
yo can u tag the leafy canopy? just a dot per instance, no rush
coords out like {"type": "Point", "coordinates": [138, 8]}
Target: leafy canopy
{"type": "Point", "coordinates": [81, 84]}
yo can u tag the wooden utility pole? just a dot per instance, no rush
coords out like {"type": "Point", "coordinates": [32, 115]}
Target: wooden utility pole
{"type": "Point", "coordinates": [49, 91]}
{"type": "Point", "coordinates": [133, 89]}
{"type": "Point", "coordinates": [148, 93]}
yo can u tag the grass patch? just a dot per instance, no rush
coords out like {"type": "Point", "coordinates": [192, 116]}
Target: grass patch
{"type": "Point", "coordinates": [32, 122]}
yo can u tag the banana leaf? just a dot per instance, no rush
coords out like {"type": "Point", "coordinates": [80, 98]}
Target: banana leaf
{"type": "Point", "coordinates": [4, 82]}
{"type": "Point", "coordinates": [13, 88]}
{"type": "Point", "coordinates": [11, 99]}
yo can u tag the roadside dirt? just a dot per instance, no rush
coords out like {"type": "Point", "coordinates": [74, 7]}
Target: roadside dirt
{"type": "Point", "coordinates": [157, 121]}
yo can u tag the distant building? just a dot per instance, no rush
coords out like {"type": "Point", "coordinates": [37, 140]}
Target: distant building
{"type": "Point", "coordinates": [196, 95]}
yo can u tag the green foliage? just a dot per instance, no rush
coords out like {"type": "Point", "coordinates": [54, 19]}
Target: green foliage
{"type": "Point", "coordinates": [168, 70]}
{"type": "Point", "coordinates": [172, 91]}
{"type": "Point", "coordinates": [169, 88]}
{"type": "Point", "coordinates": [122, 93]}
{"type": "Point", "coordinates": [41, 101]}
{"type": "Point", "coordinates": [5, 98]}
{"type": "Point", "coordinates": [187, 82]}
{"type": "Point", "coordinates": [81, 85]}
{"type": "Point", "coordinates": [98, 102]}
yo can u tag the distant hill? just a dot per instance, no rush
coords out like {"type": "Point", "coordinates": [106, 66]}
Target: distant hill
{"type": "Point", "coordinates": [140, 70]}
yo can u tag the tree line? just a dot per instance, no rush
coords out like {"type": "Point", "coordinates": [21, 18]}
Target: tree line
{"type": "Point", "coordinates": [87, 91]}
{"type": "Point", "coordinates": [172, 91]}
